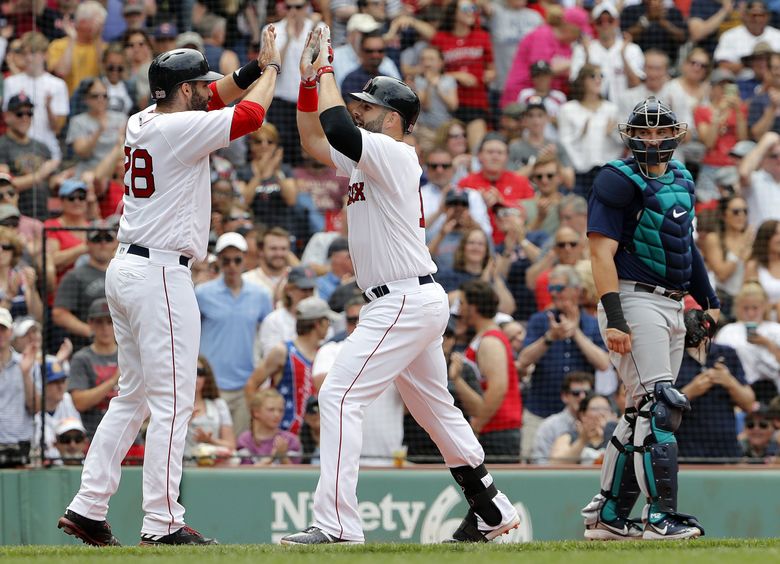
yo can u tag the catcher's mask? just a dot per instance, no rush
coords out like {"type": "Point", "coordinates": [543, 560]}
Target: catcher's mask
{"type": "Point", "coordinates": [647, 117]}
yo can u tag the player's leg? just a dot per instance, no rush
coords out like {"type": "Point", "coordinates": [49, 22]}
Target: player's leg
{"type": "Point", "coordinates": [423, 387]}
{"type": "Point", "coordinates": [116, 432]}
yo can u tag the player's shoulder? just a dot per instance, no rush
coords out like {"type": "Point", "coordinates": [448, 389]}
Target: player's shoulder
{"type": "Point", "coordinates": [613, 185]}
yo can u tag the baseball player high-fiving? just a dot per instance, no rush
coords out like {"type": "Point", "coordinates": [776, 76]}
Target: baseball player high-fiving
{"type": "Point", "coordinates": [164, 227]}
{"type": "Point", "coordinates": [399, 336]}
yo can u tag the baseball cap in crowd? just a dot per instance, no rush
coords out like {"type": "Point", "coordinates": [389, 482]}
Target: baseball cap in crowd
{"type": "Point", "coordinates": [312, 406]}
{"type": "Point", "coordinates": [314, 308]}
{"type": "Point", "coordinates": [607, 7]}
{"type": "Point", "coordinates": [71, 185]}
{"type": "Point", "coordinates": [190, 39]}
{"type": "Point", "coordinates": [22, 326]}
{"type": "Point", "coordinates": [69, 424]}
{"type": "Point", "coordinates": [54, 370]}
{"type": "Point", "coordinates": [719, 76]}
{"type": "Point", "coordinates": [231, 239]}
{"type": "Point", "coordinates": [456, 198]}
{"type": "Point", "coordinates": [166, 30]}
{"type": "Point", "coordinates": [535, 103]}
{"type": "Point", "coordinates": [742, 148]}
{"type": "Point", "coordinates": [5, 318]}
{"type": "Point", "coordinates": [6, 178]}
{"type": "Point", "coordinates": [578, 17]}
{"type": "Point", "coordinates": [761, 49]}
{"type": "Point", "coordinates": [540, 67]}
{"type": "Point", "coordinates": [515, 110]}
{"type": "Point", "coordinates": [21, 100]}
{"type": "Point", "coordinates": [304, 278]}
{"type": "Point", "coordinates": [8, 211]}
{"type": "Point", "coordinates": [726, 176]}
{"type": "Point", "coordinates": [364, 23]}
{"type": "Point", "coordinates": [133, 7]}
{"type": "Point", "coordinates": [98, 308]}
{"type": "Point", "coordinates": [756, 7]}
{"type": "Point", "coordinates": [491, 136]}
{"type": "Point", "coordinates": [338, 244]}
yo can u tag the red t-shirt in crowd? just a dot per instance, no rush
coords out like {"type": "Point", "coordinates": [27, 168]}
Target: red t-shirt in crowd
{"type": "Point", "coordinates": [513, 187]}
{"type": "Point", "coordinates": [111, 201]}
{"type": "Point", "coordinates": [472, 53]}
{"type": "Point", "coordinates": [726, 138]}
{"type": "Point", "coordinates": [510, 413]}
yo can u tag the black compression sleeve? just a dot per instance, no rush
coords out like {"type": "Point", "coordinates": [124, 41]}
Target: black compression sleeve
{"type": "Point", "coordinates": [342, 133]}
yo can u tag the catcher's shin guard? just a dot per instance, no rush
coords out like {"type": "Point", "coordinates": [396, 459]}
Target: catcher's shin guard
{"type": "Point", "coordinates": [660, 415]}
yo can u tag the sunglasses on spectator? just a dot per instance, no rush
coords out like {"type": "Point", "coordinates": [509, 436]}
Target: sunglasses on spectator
{"type": "Point", "coordinates": [738, 211]}
{"type": "Point", "coordinates": [445, 166]}
{"type": "Point", "coordinates": [468, 9]}
{"type": "Point", "coordinates": [69, 439]}
{"type": "Point", "coordinates": [564, 244]}
{"type": "Point", "coordinates": [456, 135]}
{"type": "Point", "coordinates": [295, 6]}
{"type": "Point", "coordinates": [700, 64]}
{"type": "Point", "coordinates": [543, 175]}
{"type": "Point", "coordinates": [578, 391]}
{"type": "Point", "coordinates": [99, 96]}
{"type": "Point", "coordinates": [6, 194]}
{"type": "Point", "coordinates": [20, 115]}
{"type": "Point", "coordinates": [7, 247]}
{"type": "Point", "coordinates": [761, 424]}
{"type": "Point", "coordinates": [115, 68]}
{"type": "Point", "coordinates": [226, 261]}
{"type": "Point", "coordinates": [101, 237]}
{"type": "Point", "coordinates": [10, 222]}
{"type": "Point", "coordinates": [201, 371]}
{"type": "Point", "coordinates": [352, 319]}
{"type": "Point", "coordinates": [555, 288]}
{"type": "Point", "coordinates": [80, 196]}
{"type": "Point", "coordinates": [374, 51]}
{"type": "Point", "coordinates": [771, 156]}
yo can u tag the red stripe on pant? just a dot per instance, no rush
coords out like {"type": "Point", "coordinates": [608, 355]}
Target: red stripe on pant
{"type": "Point", "coordinates": [341, 411]}
{"type": "Point", "coordinates": [173, 420]}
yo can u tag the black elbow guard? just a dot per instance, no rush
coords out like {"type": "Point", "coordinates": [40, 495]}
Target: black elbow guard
{"type": "Point", "coordinates": [341, 132]}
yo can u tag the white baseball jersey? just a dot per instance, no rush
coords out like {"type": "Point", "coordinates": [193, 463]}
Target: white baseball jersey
{"type": "Point", "coordinates": [384, 211]}
{"type": "Point", "coordinates": [167, 202]}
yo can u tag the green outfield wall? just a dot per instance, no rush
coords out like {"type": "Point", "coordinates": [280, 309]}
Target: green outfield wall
{"type": "Point", "coordinates": [406, 505]}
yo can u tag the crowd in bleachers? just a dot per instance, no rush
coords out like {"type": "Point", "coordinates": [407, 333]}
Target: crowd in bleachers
{"type": "Point", "coordinates": [521, 102]}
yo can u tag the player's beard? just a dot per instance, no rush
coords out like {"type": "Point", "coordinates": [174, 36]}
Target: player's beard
{"type": "Point", "coordinates": [198, 102]}
{"type": "Point", "coordinates": [375, 125]}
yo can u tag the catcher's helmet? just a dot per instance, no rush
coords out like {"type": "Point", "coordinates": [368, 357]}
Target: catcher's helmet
{"type": "Point", "coordinates": [652, 113]}
{"type": "Point", "coordinates": [393, 94]}
{"type": "Point", "coordinates": [172, 68]}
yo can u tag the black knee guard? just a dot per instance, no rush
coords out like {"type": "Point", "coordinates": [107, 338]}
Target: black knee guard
{"type": "Point", "coordinates": [478, 495]}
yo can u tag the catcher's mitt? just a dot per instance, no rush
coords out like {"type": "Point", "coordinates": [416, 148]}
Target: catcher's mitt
{"type": "Point", "coordinates": [699, 327]}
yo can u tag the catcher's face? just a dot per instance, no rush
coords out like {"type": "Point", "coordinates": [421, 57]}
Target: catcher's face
{"type": "Point", "coordinates": [653, 136]}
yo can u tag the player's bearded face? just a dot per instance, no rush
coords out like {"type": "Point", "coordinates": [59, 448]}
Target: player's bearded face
{"type": "Point", "coordinates": [375, 125]}
{"type": "Point", "coordinates": [198, 102]}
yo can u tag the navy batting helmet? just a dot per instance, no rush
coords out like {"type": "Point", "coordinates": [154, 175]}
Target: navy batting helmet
{"type": "Point", "coordinates": [652, 113]}
{"type": "Point", "coordinates": [172, 68]}
{"type": "Point", "coordinates": [393, 94]}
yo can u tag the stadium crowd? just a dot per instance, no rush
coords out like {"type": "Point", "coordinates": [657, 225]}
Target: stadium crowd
{"type": "Point", "coordinates": [520, 106]}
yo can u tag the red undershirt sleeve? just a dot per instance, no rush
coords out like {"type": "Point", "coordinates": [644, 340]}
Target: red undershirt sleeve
{"type": "Point", "coordinates": [216, 101]}
{"type": "Point", "coordinates": [247, 117]}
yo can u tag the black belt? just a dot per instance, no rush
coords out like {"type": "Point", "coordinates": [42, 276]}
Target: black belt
{"type": "Point", "coordinates": [140, 251]}
{"type": "Point", "coordinates": [383, 290]}
{"type": "Point", "coordinates": [676, 295]}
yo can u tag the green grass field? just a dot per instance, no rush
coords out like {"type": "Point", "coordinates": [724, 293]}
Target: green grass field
{"type": "Point", "coordinates": [762, 551]}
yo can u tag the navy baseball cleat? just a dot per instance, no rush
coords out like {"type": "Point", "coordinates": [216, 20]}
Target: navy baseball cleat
{"type": "Point", "coordinates": [313, 535]}
{"type": "Point", "coordinates": [673, 526]}
{"type": "Point", "coordinates": [95, 533]}
{"type": "Point", "coordinates": [617, 529]}
{"type": "Point", "coordinates": [185, 535]}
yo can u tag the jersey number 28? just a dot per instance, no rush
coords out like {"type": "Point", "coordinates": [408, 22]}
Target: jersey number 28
{"type": "Point", "coordinates": [139, 163]}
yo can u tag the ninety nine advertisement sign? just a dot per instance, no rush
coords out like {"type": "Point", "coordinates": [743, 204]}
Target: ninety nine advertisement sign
{"type": "Point", "coordinates": [390, 519]}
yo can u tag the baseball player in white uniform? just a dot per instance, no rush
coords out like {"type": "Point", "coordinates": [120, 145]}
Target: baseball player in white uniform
{"type": "Point", "coordinates": [399, 336]}
{"type": "Point", "coordinates": [164, 227]}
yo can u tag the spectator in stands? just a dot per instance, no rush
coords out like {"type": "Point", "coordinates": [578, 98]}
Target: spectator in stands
{"type": "Point", "coordinates": [541, 86]}
{"type": "Point", "coordinates": [706, 20]}
{"type": "Point", "coordinates": [763, 110]}
{"type": "Point", "coordinates": [67, 246]}
{"type": "Point", "coordinates": [757, 71]}
{"type": "Point", "coordinates": [213, 30]}
{"type": "Point", "coordinates": [94, 372]}
{"type": "Point", "coordinates": [280, 325]}
{"type": "Point", "coordinates": [231, 311]}
{"type": "Point", "coordinates": [551, 43]}
{"type": "Point", "coordinates": [29, 229]}
{"type": "Point", "coordinates": [275, 260]}
{"type": "Point", "coordinates": [759, 173]}
{"type": "Point", "coordinates": [438, 93]}
{"type": "Point", "coordinates": [345, 57]}
{"type": "Point", "coordinates": [92, 134]}
{"type": "Point", "coordinates": [211, 431]}
{"type": "Point", "coordinates": [727, 250]}
{"type": "Point", "coordinates": [756, 341]}
{"type": "Point", "coordinates": [18, 399]}
{"type": "Point", "coordinates": [49, 18]}
{"type": "Point", "coordinates": [759, 444]}
{"type": "Point", "coordinates": [558, 341]}
{"type": "Point", "coordinates": [321, 192]}
{"type": "Point", "coordinates": [165, 35]}
{"type": "Point", "coordinates": [468, 58]}
{"type": "Point", "coordinates": [47, 93]}
{"type": "Point", "coordinates": [498, 185]}
{"type": "Point", "coordinates": [270, 189]}
{"type": "Point", "coordinates": [594, 427]}
{"type": "Point", "coordinates": [542, 211]}
{"type": "Point", "coordinates": [59, 406]}
{"type": "Point", "coordinates": [620, 60]}
{"type": "Point", "coordinates": [134, 14]}
{"type": "Point", "coordinates": [655, 83]}
{"type": "Point", "coordinates": [509, 22]}
{"type": "Point", "coordinates": [740, 41]}
{"type": "Point", "coordinates": [139, 52]}
{"type": "Point", "coordinates": [18, 289]}
{"type": "Point", "coordinates": [655, 25]}
{"type": "Point", "coordinates": [370, 54]}
{"type": "Point", "coordinates": [121, 93]}
{"type": "Point", "coordinates": [107, 181]}
{"type": "Point", "coordinates": [83, 285]}
{"type": "Point", "coordinates": [511, 122]}
{"type": "Point", "coordinates": [452, 136]}
{"type": "Point", "coordinates": [763, 263]}
{"type": "Point", "coordinates": [520, 251]}
{"type": "Point", "coordinates": [341, 268]}
{"type": "Point", "coordinates": [721, 122]}
{"type": "Point", "coordinates": [715, 383]}
{"type": "Point", "coordinates": [573, 212]}
{"type": "Point", "coordinates": [29, 161]}
{"type": "Point", "coordinates": [575, 386]}
{"type": "Point", "coordinates": [77, 55]}
{"type": "Point", "coordinates": [587, 125]}
{"type": "Point", "coordinates": [536, 144]}
{"type": "Point", "coordinates": [71, 441]}
{"type": "Point", "coordinates": [688, 90]}
{"type": "Point", "coordinates": [266, 443]}
{"type": "Point", "coordinates": [495, 414]}
{"type": "Point", "coordinates": [568, 249]}
{"type": "Point", "coordinates": [451, 227]}
{"type": "Point", "coordinates": [310, 432]}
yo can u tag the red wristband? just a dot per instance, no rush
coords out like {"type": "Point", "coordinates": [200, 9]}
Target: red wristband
{"type": "Point", "coordinates": [307, 98]}
{"type": "Point", "coordinates": [324, 70]}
